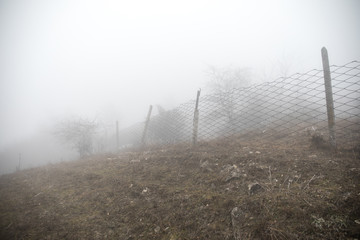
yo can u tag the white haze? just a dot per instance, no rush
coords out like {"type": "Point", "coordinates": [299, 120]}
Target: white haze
{"type": "Point", "coordinates": [110, 59]}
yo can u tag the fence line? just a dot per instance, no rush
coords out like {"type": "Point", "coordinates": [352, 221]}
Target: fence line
{"type": "Point", "coordinates": [285, 107]}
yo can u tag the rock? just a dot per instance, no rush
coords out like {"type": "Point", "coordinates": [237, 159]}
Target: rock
{"type": "Point", "coordinates": [231, 172]}
{"type": "Point", "coordinates": [346, 196]}
{"type": "Point", "coordinates": [235, 213]}
{"type": "Point", "coordinates": [135, 161]}
{"type": "Point", "coordinates": [236, 220]}
{"type": "Point", "coordinates": [145, 190]}
{"type": "Point", "coordinates": [229, 168]}
{"type": "Point", "coordinates": [226, 168]}
{"type": "Point", "coordinates": [233, 175]}
{"type": "Point", "coordinates": [255, 188]}
{"type": "Point", "coordinates": [206, 165]}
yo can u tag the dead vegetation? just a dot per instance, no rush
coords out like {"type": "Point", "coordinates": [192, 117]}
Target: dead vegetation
{"type": "Point", "coordinates": [225, 189]}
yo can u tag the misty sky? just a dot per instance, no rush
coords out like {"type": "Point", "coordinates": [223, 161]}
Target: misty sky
{"type": "Point", "coordinates": [111, 59]}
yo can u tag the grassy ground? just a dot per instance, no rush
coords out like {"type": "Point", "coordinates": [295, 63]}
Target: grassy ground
{"type": "Point", "coordinates": [301, 192]}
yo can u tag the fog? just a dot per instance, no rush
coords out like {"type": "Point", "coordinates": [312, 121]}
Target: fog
{"type": "Point", "coordinates": [109, 60]}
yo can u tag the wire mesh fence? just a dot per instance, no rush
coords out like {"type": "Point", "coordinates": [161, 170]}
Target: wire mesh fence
{"type": "Point", "coordinates": [286, 107]}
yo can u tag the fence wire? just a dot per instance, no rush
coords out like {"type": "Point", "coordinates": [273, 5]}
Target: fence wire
{"type": "Point", "coordinates": [286, 107]}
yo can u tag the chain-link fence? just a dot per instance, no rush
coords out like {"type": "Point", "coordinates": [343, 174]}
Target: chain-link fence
{"type": "Point", "coordinates": [286, 107]}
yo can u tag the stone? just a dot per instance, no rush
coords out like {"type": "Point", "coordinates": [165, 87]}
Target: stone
{"type": "Point", "coordinates": [145, 190]}
{"type": "Point", "coordinates": [206, 165]}
{"type": "Point", "coordinates": [236, 220]}
{"type": "Point", "coordinates": [255, 188]}
{"type": "Point", "coordinates": [231, 172]}
{"type": "Point", "coordinates": [135, 161]}
{"type": "Point", "coordinates": [233, 175]}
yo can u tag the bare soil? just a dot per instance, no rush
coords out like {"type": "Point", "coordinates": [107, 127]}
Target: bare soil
{"type": "Point", "coordinates": [304, 191]}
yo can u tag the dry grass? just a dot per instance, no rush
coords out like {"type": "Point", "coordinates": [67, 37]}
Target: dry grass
{"type": "Point", "coordinates": [306, 193]}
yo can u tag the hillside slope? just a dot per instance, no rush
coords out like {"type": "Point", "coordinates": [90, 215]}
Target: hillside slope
{"type": "Point", "coordinates": [225, 189]}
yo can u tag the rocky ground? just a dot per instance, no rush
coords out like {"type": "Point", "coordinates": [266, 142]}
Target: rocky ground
{"type": "Point", "coordinates": [223, 189]}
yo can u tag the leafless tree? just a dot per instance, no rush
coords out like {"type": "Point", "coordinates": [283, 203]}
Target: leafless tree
{"type": "Point", "coordinates": [224, 83]}
{"type": "Point", "coordinates": [78, 133]}
{"type": "Point", "coordinates": [223, 80]}
{"type": "Point", "coordinates": [167, 126]}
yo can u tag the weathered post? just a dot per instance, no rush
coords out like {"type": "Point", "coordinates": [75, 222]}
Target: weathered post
{"type": "Point", "coordinates": [117, 136]}
{"type": "Point", "coordinates": [329, 97]}
{"type": "Point", "coordinates": [143, 140]}
{"type": "Point", "coordinates": [196, 119]}
{"type": "Point", "coordinates": [18, 167]}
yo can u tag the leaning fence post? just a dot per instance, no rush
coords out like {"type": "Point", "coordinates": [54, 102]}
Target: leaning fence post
{"type": "Point", "coordinates": [146, 126]}
{"type": "Point", "coordinates": [329, 97]}
{"type": "Point", "coordinates": [196, 119]}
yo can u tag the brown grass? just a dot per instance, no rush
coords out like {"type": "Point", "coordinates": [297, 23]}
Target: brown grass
{"type": "Point", "coordinates": [308, 193]}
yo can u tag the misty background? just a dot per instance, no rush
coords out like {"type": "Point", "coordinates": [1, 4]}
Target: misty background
{"type": "Point", "coordinates": [108, 60]}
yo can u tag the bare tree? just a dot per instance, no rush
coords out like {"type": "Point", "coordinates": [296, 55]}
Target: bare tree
{"type": "Point", "coordinates": [224, 80]}
{"type": "Point", "coordinates": [167, 126]}
{"type": "Point", "coordinates": [78, 133]}
{"type": "Point", "coordinates": [225, 83]}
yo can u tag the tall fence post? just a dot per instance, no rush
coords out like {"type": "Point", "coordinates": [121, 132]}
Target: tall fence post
{"type": "Point", "coordinates": [143, 139]}
{"type": "Point", "coordinates": [117, 136]}
{"type": "Point", "coordinates": [329, 97]}
{"type": "Point", "coordinates": [196, 119]}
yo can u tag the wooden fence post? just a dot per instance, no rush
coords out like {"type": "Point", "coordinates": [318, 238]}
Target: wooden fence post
{"type": "Point", "coordinates": [18, 167]}
{"type": "Point", "coordinates": [117, 137]}
{"type": "Point", "coordinates": [196, 119]}
{"type": "Point", "coordinates": [143, 140]}
{"type": "Point", "coordinates": [329, 97]}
